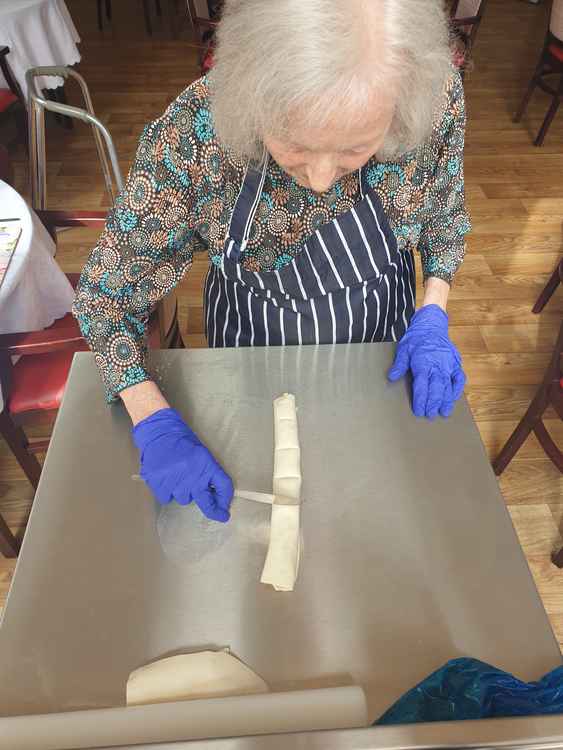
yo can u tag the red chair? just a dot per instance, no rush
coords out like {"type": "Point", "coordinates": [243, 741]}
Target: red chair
{"type": "Point", "coordinates": [33, 388]}
{"type": "Point", "coordinates": [550, 64]}
{"type": "Point", "coordinates": [12, 104]}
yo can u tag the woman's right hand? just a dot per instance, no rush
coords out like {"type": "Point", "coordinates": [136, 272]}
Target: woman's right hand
{"type": "Point", "coordinates": [177, 466]}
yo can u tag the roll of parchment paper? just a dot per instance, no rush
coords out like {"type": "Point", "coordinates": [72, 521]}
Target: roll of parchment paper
{"type": "Point", "coordinates": [269, 713]}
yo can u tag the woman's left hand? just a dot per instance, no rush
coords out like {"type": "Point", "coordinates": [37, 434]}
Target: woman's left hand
{"type": "Point", "coordinates": [435, 362]}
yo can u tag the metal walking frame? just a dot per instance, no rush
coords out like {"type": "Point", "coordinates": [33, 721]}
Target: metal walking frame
{"type": "Point", "coordinates": [37, 104]}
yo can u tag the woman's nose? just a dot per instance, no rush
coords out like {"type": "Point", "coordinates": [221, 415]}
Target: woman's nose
{"type": "Point", "coordinates": [321, 175]}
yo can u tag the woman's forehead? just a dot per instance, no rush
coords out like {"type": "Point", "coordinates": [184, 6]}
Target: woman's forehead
{"type": "Point", "coordinates": [347, 129]}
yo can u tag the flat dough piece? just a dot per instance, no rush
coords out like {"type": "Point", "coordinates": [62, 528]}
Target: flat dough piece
{"type": "Point", "coordinates": [207, 674]}
{"type": "Point", "coordinates": [282, 561]}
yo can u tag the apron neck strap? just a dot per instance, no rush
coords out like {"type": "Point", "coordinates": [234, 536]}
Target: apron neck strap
{"type": "Point", "coordinates": [363, 181]}
{"type": "Point", "coordinates": [248, 199]}
{"type": "Point", "coordinates": [246, 204]}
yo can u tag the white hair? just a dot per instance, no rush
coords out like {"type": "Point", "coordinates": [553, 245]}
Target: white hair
{"type": "Point", "coordinates": [325, 59]}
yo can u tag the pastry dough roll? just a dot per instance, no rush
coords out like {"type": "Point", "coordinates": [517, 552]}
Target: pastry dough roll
{"type": "Point", "coordinates": [287, 453]}
{"type": "Point", "coordinates": [270, 713]}
{"type": "Point", "coordinates": [282, 560]}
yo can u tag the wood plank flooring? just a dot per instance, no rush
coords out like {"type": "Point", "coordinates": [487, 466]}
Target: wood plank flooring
{"type": "Point", "coordinates": [515, 195]}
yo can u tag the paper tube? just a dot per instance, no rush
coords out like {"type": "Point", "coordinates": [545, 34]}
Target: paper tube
{"type": "Point", "coordinates": [270, 713]}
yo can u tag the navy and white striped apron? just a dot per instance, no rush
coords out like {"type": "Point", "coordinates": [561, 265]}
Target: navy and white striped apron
{"type": "Point", "coordinates": [348, 283]}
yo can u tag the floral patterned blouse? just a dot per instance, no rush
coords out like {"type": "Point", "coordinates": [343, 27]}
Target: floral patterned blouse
{"type": "Point", "coordinates": [178, 200]}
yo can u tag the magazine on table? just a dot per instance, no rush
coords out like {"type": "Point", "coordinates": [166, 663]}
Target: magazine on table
{"type": "Point", "coordinates": [10, 233]}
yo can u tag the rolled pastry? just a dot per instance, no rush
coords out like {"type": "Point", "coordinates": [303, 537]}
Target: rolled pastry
{"type": "Point", "coordinates": [282, 561]}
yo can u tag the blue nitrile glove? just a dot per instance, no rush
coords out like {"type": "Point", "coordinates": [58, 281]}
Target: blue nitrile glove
{"type": "Point", "coordinates": [427, 351]}
{"type": "Point", "coordinates": [177, 466]}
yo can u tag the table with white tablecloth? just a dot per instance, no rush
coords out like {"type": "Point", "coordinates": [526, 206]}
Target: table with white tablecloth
{"type": "Point", "coordinates": [38, 33]}
{"type": "Point", "coordinates": [34, 292]}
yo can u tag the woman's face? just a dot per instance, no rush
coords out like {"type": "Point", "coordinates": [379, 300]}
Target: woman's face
{"type": "Point", "coordinates": [319, 157]}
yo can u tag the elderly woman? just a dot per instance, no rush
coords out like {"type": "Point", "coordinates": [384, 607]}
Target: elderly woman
{"type": "Point", "coordinates": [325, 146]}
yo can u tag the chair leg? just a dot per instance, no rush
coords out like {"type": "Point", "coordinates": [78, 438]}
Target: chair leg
{"type": "Point", "coordinates": [9, 546]}
{"type": "Point", "coordinates": [176, 23]}
{"type": "Point", "coordinates": [531, 86]}
{"type": "Point", "coordinates": [557, 559]}
{"type": "Point", "coordinates": [60, 97]}
{"type": "Point", "coordinates": [546, 442]}
{"type": "Point", "coordinates": [522, 431]}
{"type": "Point", "coordinates": [108, 10]}
{"type": "Point", "coordinates": [21, 122]}
{"type": "Point", "coordinates": [17, 442]}
{"type": "Point", "coordinates": [526, 100]}
{"type": "Point", "coordinates": [511, 447]}
{"type": "Point", "coordinates": [100, 16]}
{"type": "Point", "coordinates": [147, 14]}
{"type": "Point", "coordinates": [176, 341]}
{"type": "Point", "coordinates": [158, 8]}
{"type": "Point", "coordinates": [551, 112]}
{"type": "Point", "coordinates": [547, 292]}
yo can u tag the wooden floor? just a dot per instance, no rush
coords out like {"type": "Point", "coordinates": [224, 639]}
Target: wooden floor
{"type": "Point", "coordinates": [515, 194]}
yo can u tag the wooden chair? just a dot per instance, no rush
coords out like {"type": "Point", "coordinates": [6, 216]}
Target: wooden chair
{"type": "Point", "coordinates": [33, 387]}
{"type": "Point", "coordinates": [465, 20]}
{"type": "Point", "coordinates": [12, 103]}
{"type": "Point", "coordinates": [550, 64]}
{"type": "Point", "coordinates": [204, 29]}
{"type": "Point", "coordinates": [550, 393]}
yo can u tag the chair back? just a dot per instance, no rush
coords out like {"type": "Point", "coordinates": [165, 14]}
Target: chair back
{"type": "Point", "coordinates": [466, 15]}
{"type": "Point", "coordinates": [13, 85]}
{"type": "Point", "coordinates": [556, 20]}
{"type": "Point", "coordinates": [200, 18]}
{"type": "Point", "coordinates": [467, 8]}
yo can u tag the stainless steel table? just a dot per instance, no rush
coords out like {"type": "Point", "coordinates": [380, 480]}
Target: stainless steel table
{"type": "Point", "coordinates": [410, 557]}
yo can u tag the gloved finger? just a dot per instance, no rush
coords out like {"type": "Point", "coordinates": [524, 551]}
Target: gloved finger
{"type": "Point", "coordinates": [207, 502]}
{"type": "Point", "coordinates": [420, 392]}
{"type": "Point", "coordinates": [159, 487]}
{"type": "Point", "coordinates": [182, 485]}
{"type": "Point", "coordinates": [223, 486]}
{"type": "Point", "coordinates": [458, 383]}
{"type": "Point", "coordinates": [448, 400]}
{"type": "Point", "coordinates": [435, 394]}
{"type": "Point", "coordinates": [182, 494]}
{"type": "Point", "coordinates": [400, 366]}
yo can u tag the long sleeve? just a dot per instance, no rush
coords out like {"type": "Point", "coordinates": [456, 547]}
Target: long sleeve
{"type": "Point", "coordinates": [143, 252]}
{"type": "Point", "coordinates": [442, 243]}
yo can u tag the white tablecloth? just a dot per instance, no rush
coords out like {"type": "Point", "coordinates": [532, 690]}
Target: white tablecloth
{"type": "Point", "coordinates": [38, 32]}
{"type": "Point", "coordinates": [34, 292]}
